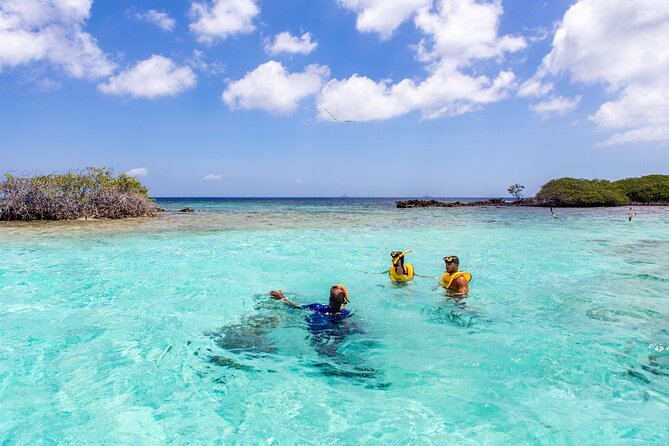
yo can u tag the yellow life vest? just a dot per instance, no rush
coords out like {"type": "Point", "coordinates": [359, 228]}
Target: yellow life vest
{"type": "Point", "coordinates": [447, 279]}
{"type": "Point", "coordinates": [401, 277]}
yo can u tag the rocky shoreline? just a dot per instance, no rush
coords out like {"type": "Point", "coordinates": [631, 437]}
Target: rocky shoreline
{"type": "Point", "coordinates": [407, 204]}
{"type": "Point", "coordinates": [498, 202]}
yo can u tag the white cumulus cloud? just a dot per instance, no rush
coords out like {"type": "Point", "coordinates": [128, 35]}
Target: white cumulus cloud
{"type": "Point", "coordinates": [457, 34]}
{"type": "Point", "coordinates": [621, 45]}
{"type": "Point", "coordinates": [50, 31]}
{"type": "Point", "coordinates": [462, 30]}
{"type": "Point", "coordinates": [272, 88]}
{"type": "Point", "coordinates": [285, 42]}
{"type": "Point", "coordinates": [159, 18]}
{"type": "Point", "coordinates": [383, 16]}
{"type": "Point", "coordinates": [534, 87]}
{"type": "Point", "coordinates": [641, 111]}
{"type": "Point", "coordinates": [612, 41]}
{"type": "Point", "coordinates": [151, 78]}
{"type": "Point", "coordinates": [556, 106]}
{"type": "Point", "coordinates": [213, 177]}
{"type": "Point", "coordinates": [446, 92]}
{"type": "Point", "coordinates": [222, 18]}
{"type": "Point", "coordinates": [138, 172]}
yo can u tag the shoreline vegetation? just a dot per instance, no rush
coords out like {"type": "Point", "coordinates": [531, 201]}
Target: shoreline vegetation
{"type": "Point", "coordinates": [649, 190]}
{"type": "Point", "coordinates": [99, 193]}
{"type": "Point", "coordinates": [93, 193]}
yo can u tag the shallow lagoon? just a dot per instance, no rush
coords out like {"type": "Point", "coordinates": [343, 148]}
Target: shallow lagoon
{"type": "Point", "coordinates": [159, 330]}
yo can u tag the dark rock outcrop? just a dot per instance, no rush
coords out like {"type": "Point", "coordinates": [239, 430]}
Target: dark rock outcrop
{"type": "Point", "coordinates": [448, 204]}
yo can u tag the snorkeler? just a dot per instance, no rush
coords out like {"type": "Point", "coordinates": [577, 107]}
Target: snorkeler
{"type": "Point", "coordinates": [630, 214]}
{"type": "Point", "coordinates": [325, 321]}
{"type": "Point", "coordinates": [398, 271]}
{"type": "Point", "coordinates": [336, 307]}
{"type": "Point", "coordinates": [456, 282]}
{"type": "Point", "coordinates": [329, 326]}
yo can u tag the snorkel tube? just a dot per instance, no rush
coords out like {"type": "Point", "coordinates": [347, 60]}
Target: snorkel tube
{"type": "Point", "coordinates": [405, 273]}
{"type": "Point", "coordinates": [398, 256]}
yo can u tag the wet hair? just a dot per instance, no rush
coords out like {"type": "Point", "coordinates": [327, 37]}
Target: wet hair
{"type": "Point", "coordinates": [337, 298]}
{"type": "Point", "coordinates": [452, 259]}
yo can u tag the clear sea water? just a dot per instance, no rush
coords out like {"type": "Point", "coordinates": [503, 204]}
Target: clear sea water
{"type": "Point", "coordinates": [160, 331]}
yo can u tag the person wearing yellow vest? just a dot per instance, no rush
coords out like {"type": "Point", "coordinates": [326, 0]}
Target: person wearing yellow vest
{"type": "Point", "coordinates": [399, 272]}
{"type": "Point", "coordinates": [456, 282]}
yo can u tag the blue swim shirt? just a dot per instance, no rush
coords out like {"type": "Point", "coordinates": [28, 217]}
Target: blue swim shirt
{"type": "Point", "coordinates": [322, 319]}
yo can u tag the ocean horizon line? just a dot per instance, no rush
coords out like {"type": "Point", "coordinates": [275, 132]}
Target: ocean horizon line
{"type": "Point", "coordinates": [260, 197]}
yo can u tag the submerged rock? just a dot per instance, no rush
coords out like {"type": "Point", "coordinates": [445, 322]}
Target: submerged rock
{"type": "Point", "coordinates": [186, 210]}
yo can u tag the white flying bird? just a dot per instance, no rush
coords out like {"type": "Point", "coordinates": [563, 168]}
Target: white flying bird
{"type": "Point", "coordinates": [334, 118]}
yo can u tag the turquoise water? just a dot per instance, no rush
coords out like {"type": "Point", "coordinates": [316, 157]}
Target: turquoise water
{"type": "Point", "coordinates": [160, 331]}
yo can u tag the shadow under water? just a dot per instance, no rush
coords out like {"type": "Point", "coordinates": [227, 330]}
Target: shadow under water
{"type": "Point", "coordinates": [260, 341]}
{"type": "Point", "coordinates": [454, 311]}
{"type": "Point", "coordinates": [655, 365]}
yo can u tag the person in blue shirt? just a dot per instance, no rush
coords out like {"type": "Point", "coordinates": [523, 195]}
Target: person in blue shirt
{"type": "Point", "coordinates": [328, 326]}
{"type": "Point", "coordinates": [325, 322]}
{"type": "Point", "coordinates": [334, 310]}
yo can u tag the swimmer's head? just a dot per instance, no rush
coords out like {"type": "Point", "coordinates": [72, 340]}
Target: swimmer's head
{"type": "Point", "coordinates": [452, 263]}
{"type": "Point", "coordinates": [398, 257]}
{"type": "Point", "coordinates": [338, 297]}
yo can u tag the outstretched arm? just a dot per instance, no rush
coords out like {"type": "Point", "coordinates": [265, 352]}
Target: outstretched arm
{"type": "Point", "coordinates": [374, 272]}
{"type": "Point", "coordinates": [278, 295]}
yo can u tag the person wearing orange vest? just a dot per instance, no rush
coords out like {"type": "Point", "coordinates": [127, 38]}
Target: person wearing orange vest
{"type": "Point", "coordinates": [456, 282]}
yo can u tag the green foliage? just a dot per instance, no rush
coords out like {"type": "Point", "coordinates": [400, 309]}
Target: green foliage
{"type": "Point", "coordinates": [516, 191]}
{"type": "Point", "coordinates": [647, 189]}
{"type": "Point", "coordinates": [124, 183]}
{"type": "Point", "coordinates": [93, 192]}
{"type": "Point", "coordinates": [580, 192]}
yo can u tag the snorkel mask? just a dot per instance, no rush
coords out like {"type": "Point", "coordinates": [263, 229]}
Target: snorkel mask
{"type": "Point", "coordinates": [451, 259]}
{"type": "Point", "coordinates": [396, 255]}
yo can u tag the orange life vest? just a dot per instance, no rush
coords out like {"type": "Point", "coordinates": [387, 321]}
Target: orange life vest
{"type": "Point", "coordinates": [401, 277]}
{"type": "Point", "coordinates": [447, 279]}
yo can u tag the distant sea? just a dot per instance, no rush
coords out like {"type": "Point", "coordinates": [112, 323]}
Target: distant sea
{"type": "Point", "coordinates": [223, 203]}
{"type": "Point", "coordinates": [160, 331]}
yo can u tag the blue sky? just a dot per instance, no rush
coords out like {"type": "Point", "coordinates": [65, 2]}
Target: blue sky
{"type": "Point", "coordinates": [231, 97]}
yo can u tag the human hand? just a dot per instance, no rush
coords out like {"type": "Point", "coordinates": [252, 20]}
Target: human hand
{"type": "Point", "coordinates": [277, 295]}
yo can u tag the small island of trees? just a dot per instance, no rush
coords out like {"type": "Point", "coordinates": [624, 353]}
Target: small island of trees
{"type": "Point", "coordinates": [574, 192]}
{"type": "Point", "coordinates": [91, 193]}
{"type": "Point", "coordinates": [577, 192]}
